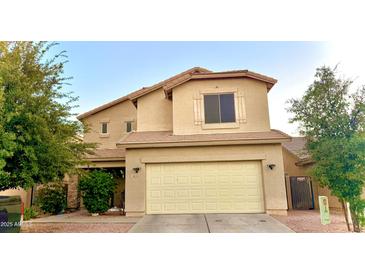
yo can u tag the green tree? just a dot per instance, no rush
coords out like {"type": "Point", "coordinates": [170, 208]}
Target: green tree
{"type": "Point", "coordinates": [39, 137]}
{"type": "Point", "coordinates": [332, 118]}
{"type": "Point", "coordinates": [7, 144]}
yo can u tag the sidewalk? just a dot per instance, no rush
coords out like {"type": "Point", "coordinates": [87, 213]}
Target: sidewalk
{"type": "Point", "coordinates": [83, 217]}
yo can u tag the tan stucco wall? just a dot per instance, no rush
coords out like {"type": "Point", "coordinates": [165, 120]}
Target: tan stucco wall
{"type": "Point", "coordinates": [293, 170]}
{"type": "Point", "coordinates": [116, 116]}
{"type": "Point", "coordinates": [255, 104]}
{"type": "Point", "coordinates": [105, 164]}
{"type": "Point", "coordinates": [24, 194]}
{"type": "Point", "coordinates": [154, 112]}
{"type": "Point", "coordinates": [273, 180]}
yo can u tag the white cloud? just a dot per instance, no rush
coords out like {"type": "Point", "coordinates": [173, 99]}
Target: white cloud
{"type": "Point", "coordinates": [350, 55]}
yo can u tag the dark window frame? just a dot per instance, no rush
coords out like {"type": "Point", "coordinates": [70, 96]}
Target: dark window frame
{"type": "Point", "coordinates": [127, 125]}
{"type": "Point", "coordinates": [102, 128]}
{"type": "Point", "coordinates": [218, 95]}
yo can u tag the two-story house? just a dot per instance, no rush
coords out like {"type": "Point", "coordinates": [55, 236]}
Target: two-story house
{"type": "Point", "coordinates": [198, 142]}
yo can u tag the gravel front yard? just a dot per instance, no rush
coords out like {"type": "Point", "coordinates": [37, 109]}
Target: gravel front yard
{"type": "Point", "coordinates": [297, 220]}
{"type": "Point", "coordinates": [75, 227]}
{"type": "Point", "coordinates": [309, 221]}
{"type": "Point", "coordinates": [80, 222]}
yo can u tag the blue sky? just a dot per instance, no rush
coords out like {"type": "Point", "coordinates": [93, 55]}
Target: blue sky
{"type": "Point", "coordinates": [104, 71]}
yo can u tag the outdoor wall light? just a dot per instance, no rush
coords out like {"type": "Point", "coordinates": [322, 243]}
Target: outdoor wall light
{"type": "Point", "coordinates": [271, 166]}
{"type": "Point", "coordinates": [136, 169]}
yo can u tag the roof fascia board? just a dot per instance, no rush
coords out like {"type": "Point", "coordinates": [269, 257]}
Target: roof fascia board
{"type": "Point", "coordinates": [269, 81]}
{"type": "Point", "coordinates": [202, 143]}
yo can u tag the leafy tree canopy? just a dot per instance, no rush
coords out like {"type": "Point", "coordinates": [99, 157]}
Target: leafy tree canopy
{"type": "Point", "coordinates": [333, 119]}
{"type": "Point", "coordinates": [39, 138]}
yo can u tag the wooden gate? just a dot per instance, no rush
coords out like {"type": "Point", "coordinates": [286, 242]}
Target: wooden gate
{"type": "Point", "coordinates": [301, 192]}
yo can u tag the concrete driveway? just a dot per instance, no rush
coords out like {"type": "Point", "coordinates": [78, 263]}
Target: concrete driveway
{"type": "Point", "coordinates": [209, 223]}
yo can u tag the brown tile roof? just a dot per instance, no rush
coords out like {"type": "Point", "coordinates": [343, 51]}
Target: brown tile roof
{"type": "Point", "coordinates": [190, 74]}
{"type": "Point", "coordinates": [297, 146]}
{"type": "Point", "coordinates": [164, 137]}
{"type": "Point", "coordinates": [143, 91]}
{"type": "Point", "coordinates": [107, 154]}
{"type": "Point", "coordinates": [270, 82]}
{"type": "Point", "coordinates": [176, 78]}
{"type": "Point", "coordinates": [102, 107]}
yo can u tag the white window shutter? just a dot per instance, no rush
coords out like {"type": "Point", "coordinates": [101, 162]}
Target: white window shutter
{"type": "Point", "coordinates": [198, 119]}
{"type": "Point", "coordinates": [241, 108]}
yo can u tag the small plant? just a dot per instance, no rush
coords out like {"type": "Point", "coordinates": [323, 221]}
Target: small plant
{"type": "Point", "coordinates": [96, 188]}
{"type": "Point", "coordinates": [52, 198]}
{"type": "Point", "coordinates": [30, 213]}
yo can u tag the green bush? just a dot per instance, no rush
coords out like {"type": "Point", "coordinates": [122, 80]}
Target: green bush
{"type": "Point", "coordinates": [52, 198]}
{"type": "Point", "coordinates": [96, 188]}
{"type": "Point", "coordinates": [30, 213]}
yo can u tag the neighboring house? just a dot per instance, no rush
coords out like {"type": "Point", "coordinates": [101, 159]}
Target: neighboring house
{"type": "Point", "coordinates": [29, 196]}
{"type": "Point", "coordinates": [302, 191]}
{"type": "Point", "coordinates": [24, 195]}
{"type": "Point", "coordinates": [198, 142]}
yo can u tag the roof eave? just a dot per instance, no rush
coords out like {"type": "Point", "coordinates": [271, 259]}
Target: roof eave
{"type": "Point", "coordinates": [101, 159]}
{"type": "Point", "coordinates": [102, 107]}
{"type": "Point", "coordinates": [270, 82]}
{"type": "Point", "coordinates": [292, 153]}
{"type": "Point", "coordinates": [201, 143]}
{"type": "Point", "coordinates": [304, 162]}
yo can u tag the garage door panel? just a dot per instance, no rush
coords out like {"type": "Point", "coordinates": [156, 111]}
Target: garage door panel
{"type": "Point", "coordinates": [196, 180]}
{"type": "Point", "coordinates": [211, 206]}
{"type": "Point", "coordinates": [197, 206]}
{"type": "Point", "coordinates": [155, 181]}
{"type": "Point", "coordinates": [208, 167]}
{"type": "Point", "coordinates": [155, 207]}
{"type": "Point", "coordinates": [182, 194]}
{"type": "Point", "coordinates": [211, 193]}
{"type": "Point", "coordinates": [237, 179]}
{"type": "Point", "coordinates": [168, 180]}
{"type": "Point", "coordinates": [225, 193]}
{"type": "Point", "coordinates": [182, 206]}
{"type": "Point", "coordinates": [222, 179]}
{"type": "Point", "coordinates": [183, 180]}
{"type": "Point", "coordinates": [155, 194]}
{"type": "Point", "coordinates": [214, 187]}
{"type": "Point", "coordinates": [168, 194]}
{"type": "Point", "coordinates": [210, 180]}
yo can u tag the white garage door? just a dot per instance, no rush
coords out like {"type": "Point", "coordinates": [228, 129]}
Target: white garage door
{"type": "Point", "coordinates": [209, 187]}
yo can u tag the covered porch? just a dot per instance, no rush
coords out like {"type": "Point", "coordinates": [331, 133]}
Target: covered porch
{"type": "Point", "coordinates": [112, 161]}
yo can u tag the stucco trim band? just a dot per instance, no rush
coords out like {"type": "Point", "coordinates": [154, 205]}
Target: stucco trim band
{"type": "Point", "coordinates": [223, 158]}
{"type": "Point", "coordinates": [200, 143]}
{"type": "Point", "coordinates": [104, 164]}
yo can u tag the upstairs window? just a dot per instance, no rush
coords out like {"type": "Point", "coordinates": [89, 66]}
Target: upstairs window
{"type": "Point", "coordinates": [128, 126]}
{"type": "Point", "coordinates": [219, 108]}
{"type": "Point", "coordinates": [104, 128]}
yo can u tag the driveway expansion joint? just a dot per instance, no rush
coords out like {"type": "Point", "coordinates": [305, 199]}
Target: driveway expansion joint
{"type": "Point", "coordinates": [206, 221]}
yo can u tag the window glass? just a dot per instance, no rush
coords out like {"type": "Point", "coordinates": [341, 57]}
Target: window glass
{"type": "Point", "coordinates": [129, 126]}
{"type": "Point", "coordinates": [219, 108]}
{"type": "Point", "coordinates": [211, 108]}
{"type": "Point", "coordinates": [104, 127]}
{"type": "Point", "coordinates": [227, 108]}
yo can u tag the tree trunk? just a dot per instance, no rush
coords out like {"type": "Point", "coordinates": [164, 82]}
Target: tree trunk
{"type": "Point", "coordinates": [355, 222]}
{"type": "Point", "coordinates": [345, 212]}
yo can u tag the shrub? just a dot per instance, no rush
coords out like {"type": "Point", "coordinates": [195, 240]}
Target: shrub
{"type": "Point", "coordinates": [52, 198]}
{"type": "Point", "coordinates": [30, 213]}
{"type": "Point", "coordinates": [96, 188]}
